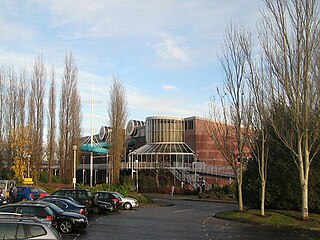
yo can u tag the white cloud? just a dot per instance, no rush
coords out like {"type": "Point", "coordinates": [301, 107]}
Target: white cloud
{"type": "Point", "coordinates": [168, 49]}
{"type": "Point", "coordinates": [168, 87]}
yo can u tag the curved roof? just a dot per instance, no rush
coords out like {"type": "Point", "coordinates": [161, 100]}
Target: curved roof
{"type": "Point", "coordinates": [164, 148]}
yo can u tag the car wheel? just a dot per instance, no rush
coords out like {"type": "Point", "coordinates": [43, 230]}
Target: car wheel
{"type": "Point", "coordinates": [112, 208]}
{"type": "Point", "coordinates": [127, 206]}
{"type": "Point", "coordinates": [96, 210]}
{"type": "Point", "coordinates": [66, 227]}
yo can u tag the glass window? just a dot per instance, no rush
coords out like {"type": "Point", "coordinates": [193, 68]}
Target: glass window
{"type": "Point", "coordinates": [8, 230]}
{"type": "Point", "coordinates": [71, 193]}
{"type": "Point", "coordinates": [8, 209]}
{"type": "Point", "coordinates": [36, 231]}
{"type": "Point", "coordinates": [61, 205]}
{"type": "Point", "coordinates": [43, 212]}
{"type": "Point", "coordinates": [82, 195]}
{"type": "Point", "coordinates": [33, 190]}
{"type": "Point", "coordinates": [26, 210]}
{"type": "Point", "coordinates": [20, 232]}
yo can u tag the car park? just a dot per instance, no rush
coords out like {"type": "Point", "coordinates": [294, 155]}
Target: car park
{"type": "Point", "coordinates": [106, 201]}
{"type": "Point", "coordinates": [83, 196]}
{"type": "Point", "coordinates": [66, 205]}
{"type": "Point", "coordinates": [27, 193]}
{"type": "Point", "coordinates": [21, 227]}
{"type": "Point", "coordinates": [127, 202]}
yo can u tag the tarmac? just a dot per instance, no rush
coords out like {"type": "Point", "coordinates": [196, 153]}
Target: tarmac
{"type": "Point", "coordinates": [164, 200]}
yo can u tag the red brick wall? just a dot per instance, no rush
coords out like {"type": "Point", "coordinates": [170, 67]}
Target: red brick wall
{"type": "Point", "coordinates": [200, 142]}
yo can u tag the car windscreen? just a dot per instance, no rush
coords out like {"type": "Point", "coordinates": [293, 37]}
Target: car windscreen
{"type": "Point", "coordinates": [33, 190]}
{"type": "Point", "coordinates": [119, 195]}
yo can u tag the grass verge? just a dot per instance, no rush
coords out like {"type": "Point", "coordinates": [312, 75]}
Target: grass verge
{"type": "Point", "coordinates": [279, 218]}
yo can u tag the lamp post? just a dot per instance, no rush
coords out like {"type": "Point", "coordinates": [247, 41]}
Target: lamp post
{"type": "Point", "coordinates": [95, 176]}
{"type": "Point", "coordinates": [137, 177]}
{"type": "Point", "coordinates": [29, 156]}
{"type": "Point", "coordinates": [74, 180]}
{"type": "Point", "coordinates": [83, 171]}
{"type": "Point", "coordinates": [131, 163]}
{"type": "Point", "coordinates": [107, 178]}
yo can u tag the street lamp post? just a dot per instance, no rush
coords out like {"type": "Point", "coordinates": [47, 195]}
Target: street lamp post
{"type": "Point", "coordinates": [74, 180]}
{"type": "Point", "coordinates": [83, 171]}
{"type": "Point", "coordinates": [137, 177]}
{"type": "Point", "coordinates": [95, 176]}
{"type": "Point", "coordinates": [107, 178]}
{"type": "Point", "coordinates": [29, 156]}
{"type": "Point", "coordinates": [131, 163]}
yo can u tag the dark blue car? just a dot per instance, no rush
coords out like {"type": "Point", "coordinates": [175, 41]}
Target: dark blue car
{"type": "Point", "coordinates": [26, 193]}
{"type": "Point", "coordinates": [66, 204]}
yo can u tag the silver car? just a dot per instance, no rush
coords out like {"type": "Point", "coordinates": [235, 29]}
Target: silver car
{"type": "Point", "coordinates": [15, 226]}
{"type": "Point", "coordinates": [127, 202]}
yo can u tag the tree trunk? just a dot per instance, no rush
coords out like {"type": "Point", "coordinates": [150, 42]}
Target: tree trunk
{"type": "Point", "coordinates": [304, 203]}
{"type": "Point", "coordinates": [157, 178]}
{"type": "Point", "coordinates": [263, 195]}
{"type": "Point", "coordinates": [239, 182]}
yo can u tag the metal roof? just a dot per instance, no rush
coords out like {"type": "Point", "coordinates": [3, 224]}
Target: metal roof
{"type": "Point", "coordinates": [164, 148]}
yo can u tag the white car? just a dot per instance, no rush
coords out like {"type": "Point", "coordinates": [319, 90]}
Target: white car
{"type": "Point", "coordinates": [128, 202]}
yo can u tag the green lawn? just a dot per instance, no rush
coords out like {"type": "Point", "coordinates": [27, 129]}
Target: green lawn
{"type": "Point", "coordinates": [273, 217]}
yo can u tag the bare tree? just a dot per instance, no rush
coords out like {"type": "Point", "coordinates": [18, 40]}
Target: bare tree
{"type": "Point", "coordinates": [257, 137]}
{"type": "Point", "coordinates": [2, 117]}
{"type": "Point", "coordinates": [51, 147]}
{"type": "Point", "coordinates": [36, 115]}
{"type": "Point", "coordinates": [290, 41]}
{"type": "Point", "coordinates": [23, 92]}
{"type": "Point", "coordinates": [226, 128]}
{"type": "Point", "coordinates": [69, 117]}
{"type": "Point", "coordinates": [11, 112]}
{"type": "Point", "coordinates": [117, 117]}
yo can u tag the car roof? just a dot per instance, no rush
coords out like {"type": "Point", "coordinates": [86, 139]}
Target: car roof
{"type": "Point", "coordinates": [15, 217]}
{"type": "Point", "coordinates": [26, 203]}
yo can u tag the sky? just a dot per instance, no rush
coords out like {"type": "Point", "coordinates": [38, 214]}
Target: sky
{"type": "Point", "coordinates": [165, 52]}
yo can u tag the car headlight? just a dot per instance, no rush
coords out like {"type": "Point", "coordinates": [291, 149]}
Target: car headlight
{"type": "Point", "coordinates": [81, 220]}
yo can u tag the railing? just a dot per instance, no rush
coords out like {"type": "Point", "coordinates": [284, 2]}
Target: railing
{"type": "Point", "coordinates": [195, 167]}
{"type": "Point", "coordinates": [193, 179]}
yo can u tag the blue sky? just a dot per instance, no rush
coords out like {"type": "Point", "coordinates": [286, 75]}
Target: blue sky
{"type": "Point", "coordinates": [164, 51]}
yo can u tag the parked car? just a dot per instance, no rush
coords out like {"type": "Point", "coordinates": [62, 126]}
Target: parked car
{"type": "Point", "coordinates": [106, 201]}
{"type": "Point", "coordinates": [66, 205]}
{"type": "Point", "coordinates": [127, 202]}
{"type": "Point", "coordinates": [27, 193]}
{"type": "Point", "coordinates": [64, 222]}
{"type": "Point", "coordinates": [67, 222]}
{"type": "Point", "coordinates": [83, 196]}
{"type": "Point", "coordinates": [20, 227]}
{"type": "Point", "coordinates": [39, 210]}
{"type": "Point", "coordinates": [62, 197]}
